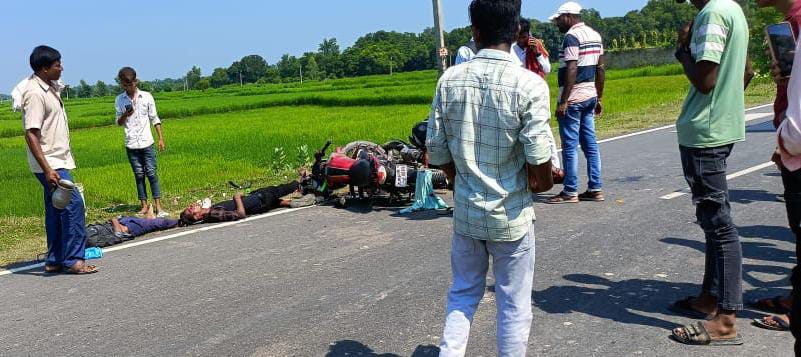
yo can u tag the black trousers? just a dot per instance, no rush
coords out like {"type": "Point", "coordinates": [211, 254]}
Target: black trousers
{"type": "Point", "coordinates": [792, 199]}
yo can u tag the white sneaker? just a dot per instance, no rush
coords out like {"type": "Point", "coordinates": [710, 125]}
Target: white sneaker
{"type": "Point", "coordinates": [163, 214]}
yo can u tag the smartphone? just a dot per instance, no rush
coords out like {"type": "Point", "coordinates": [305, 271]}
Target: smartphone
{"type": "Point", "coordinates": [782, 46]}
{"type": "Point", "coordinates": [128, 108]}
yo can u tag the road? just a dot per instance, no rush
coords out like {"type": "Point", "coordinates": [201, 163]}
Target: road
{"type": "Point", "coordinates": [334, 282]}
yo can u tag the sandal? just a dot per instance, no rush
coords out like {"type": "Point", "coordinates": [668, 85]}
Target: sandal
{"type": "Point", "coordinates": [772, 305]}
{"type": "Point", "coordinates": [772, 322]}
{"type": "Point", "coordinates": [696, 334]}
{"type": "Point", "coordinates": [81, 268]}
{"type": "Point", "coordinates": [53, 269]}
{"type": "Point", "coordinates": [685, 307]}
{"type": "Point", "coordinates": [562, 198]}
{"type": "Point", "coordinates": [592, 196]}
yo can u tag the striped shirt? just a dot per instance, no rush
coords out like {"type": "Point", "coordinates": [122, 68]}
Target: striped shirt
{"type": "Point", "coordinates": [719, 35]}
{"type": "Point", "coordinates": [584, 45]}
{"type": "Point", "coordinates": [490, 117]}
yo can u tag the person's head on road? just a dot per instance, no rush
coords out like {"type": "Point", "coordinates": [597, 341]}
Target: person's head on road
{"type": "Point", "coordinates": [128, 81]}
{"type": "Point", "coordinates": [567, 16]}
{"type": "Point", "coordinates": [193, 214]}
{"type": "Point", "coordinates": [495, 23]}
{"type": "Point", "coordinates": [46, 63]}
{"type": "Point", "coordinates": [524, 34]}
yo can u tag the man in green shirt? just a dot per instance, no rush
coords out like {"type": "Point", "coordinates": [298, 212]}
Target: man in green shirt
{"type": "Point", "coordinates": [713, 50]}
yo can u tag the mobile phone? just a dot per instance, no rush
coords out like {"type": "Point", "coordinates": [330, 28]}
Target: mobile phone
{"type": "Point", "coordinates": [782, 46]}
{"type": "Point", "coordinates": [128, 108]}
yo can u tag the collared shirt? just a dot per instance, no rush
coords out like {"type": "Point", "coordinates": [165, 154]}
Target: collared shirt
{"type": "Point", "coordinates": [490, 117]}
{"type": "Point", "coordinates": [584, 45]}
{"type": "Point", "coordinates": [719, 35]}
{"type": "Point", "coordinates": [520, 53]}
{"type": "Point", "coordinates": [43, 109]}
{"type": "Point", "coordinates": [789, 131]}
{"type": "Point", "coordinates": [220, 214]}
{"type": "Point", "coordinates": [137, 127]}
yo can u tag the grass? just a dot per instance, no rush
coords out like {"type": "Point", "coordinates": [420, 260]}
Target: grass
{"type": "Point", "coordinates": [232, 133]}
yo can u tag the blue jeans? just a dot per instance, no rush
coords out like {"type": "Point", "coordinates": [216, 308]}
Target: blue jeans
{"type": "Point", "coordinates": [143, 163]}
{"type": "Point", "coordinates": [513, 266]}
{"type": "Point", "coordinates": [66, 234]}
{"type": "Point", "coordinates": [578, 127]}
{"type": "Point", "coordinates": [705, 173]}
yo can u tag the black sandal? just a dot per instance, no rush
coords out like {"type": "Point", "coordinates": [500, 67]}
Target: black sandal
{"type": "Point", "coordinates": [772, 305]}
{"type": "Point", "coordinates": [696, 334]}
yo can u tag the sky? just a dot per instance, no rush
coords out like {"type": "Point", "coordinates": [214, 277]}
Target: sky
{"type": "Point", "coordinates": [164, 39]}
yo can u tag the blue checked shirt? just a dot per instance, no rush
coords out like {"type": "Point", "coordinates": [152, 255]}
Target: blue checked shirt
{"type": "Point", "coordinates": [489, 117]}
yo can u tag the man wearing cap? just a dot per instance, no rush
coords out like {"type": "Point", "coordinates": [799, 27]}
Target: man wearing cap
{"type": "Point", "coordinates": [581, 87]}
{"type": "Point", "coordinates": [713, 52]}
{"type": "Point", "coordinates": [50, 160]}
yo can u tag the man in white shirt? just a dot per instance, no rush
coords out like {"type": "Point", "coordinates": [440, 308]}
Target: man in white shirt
{"type": "Point", "coordinates": [525, 43]}
{"type": "Point", "coordinates": [136, 111]}
{"type": "Point", "coordinates": [50, 159]}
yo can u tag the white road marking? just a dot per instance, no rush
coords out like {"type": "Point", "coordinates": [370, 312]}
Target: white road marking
{"type": "Point", "coordinates": [749, 117]}
{"type": "Point", "coordinates": [729, 177]}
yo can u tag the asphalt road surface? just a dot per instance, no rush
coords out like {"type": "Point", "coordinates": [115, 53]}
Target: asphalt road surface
{"type": "Point", "coordinates": [356, 282]}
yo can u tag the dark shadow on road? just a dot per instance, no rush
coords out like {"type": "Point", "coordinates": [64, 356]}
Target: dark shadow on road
{"type": "Point", "coordinates": [751, 250]}
{"type": "Point", "coordinates": [356, 348]}
{"type": "Point", "coordinates": [749, 196]}
{"type": "Point", "coordinates": [615, 300]}
{"type": "Point", "coordinates": [767, 232]}
{"type": "Point", "coordinates": [628, 179]}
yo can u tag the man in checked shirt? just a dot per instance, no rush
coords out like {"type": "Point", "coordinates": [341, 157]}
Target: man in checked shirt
{"type": "Point", "coordinates": [488, 130]}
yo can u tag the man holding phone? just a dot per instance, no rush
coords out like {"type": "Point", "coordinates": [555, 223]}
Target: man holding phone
{"type": "Point", "coordinates": [136, 111]}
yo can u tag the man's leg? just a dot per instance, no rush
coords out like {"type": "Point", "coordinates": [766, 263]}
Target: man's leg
{"type": "Point", "coordinates": [513, 265]}
{"type": "Point", "coordinates": [792, 197]}
{"type": "Point", "coordinates": [137, 161]}
{"type": "Point", "coordinates": [569, 133]}
{"type": "Point", "coordinates": [73, 226]}
{"type": "Point", "coordinates": [151, 171]}
{"type": "Point", "coordinates": [55, 250]}
{"type": "Point", "coordinates": [469, 264]}
{"type": "Point", "coordinates": [270, 196]}
{"type": "Point", "coordinates": [589, 145]}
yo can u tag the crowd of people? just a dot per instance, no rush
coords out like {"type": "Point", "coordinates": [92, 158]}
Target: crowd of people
{"type": "Point", "coordinates": [496, 95]}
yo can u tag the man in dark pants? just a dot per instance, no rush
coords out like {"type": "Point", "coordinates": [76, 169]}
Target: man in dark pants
{"type": "Point", "coordinates": [713, 52]}
{"type": "Point", "coordinates": [50, 159]}
{"type": "Point", "coordinates": [258, 201]}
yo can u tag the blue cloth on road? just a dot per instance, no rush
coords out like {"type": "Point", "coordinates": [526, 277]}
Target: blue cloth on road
{"type": "Point", "coordinates": [424, 196]}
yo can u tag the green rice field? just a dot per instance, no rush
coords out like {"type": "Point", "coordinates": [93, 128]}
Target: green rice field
{"type": "Point", "coordinates": [263, 133]}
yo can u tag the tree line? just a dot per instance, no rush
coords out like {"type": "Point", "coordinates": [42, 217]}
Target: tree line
{"type": "Point", "coordinates": [382, 52]}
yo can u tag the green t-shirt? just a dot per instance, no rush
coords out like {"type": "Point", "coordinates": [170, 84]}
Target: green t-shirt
{"type": "Point", "coordinates": [720, 35]}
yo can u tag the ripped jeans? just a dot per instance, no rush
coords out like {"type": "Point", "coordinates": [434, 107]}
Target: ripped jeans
{"type": "Point", "coordinates": [705, 172]}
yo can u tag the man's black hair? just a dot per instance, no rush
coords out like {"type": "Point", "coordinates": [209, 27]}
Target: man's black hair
{"type": "Point", "coordinates": [525, 25]}
{"type": "Point", "coordinates": [127, 73]}
{"type": "Point", "coordinates": [44, 57]}
{"type": "Point", "coordinates": [495, 20]}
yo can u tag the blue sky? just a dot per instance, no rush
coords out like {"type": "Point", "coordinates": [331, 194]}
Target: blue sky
{"type": "Point", "coordinates": [165, 38]}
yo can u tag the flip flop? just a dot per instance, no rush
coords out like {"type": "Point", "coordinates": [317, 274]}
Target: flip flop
{"type": "Point", "coordinates": [772, 305]}
{"type": "Point", "coordinates": [780, 324]}
{"type": "Point", "coordinates": [53, 269]}
{"type": "Point", "coordinates": [684, 307]}
{"type": "Point", "coordinates": [81, 269]}
{"type": "Point", "coordinates": [696, 334]}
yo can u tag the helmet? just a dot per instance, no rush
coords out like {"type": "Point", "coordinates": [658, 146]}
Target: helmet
{"type": "Point", "coordinates": [418, 138]}
{"type": "Point", "coordinates": [359, 173]}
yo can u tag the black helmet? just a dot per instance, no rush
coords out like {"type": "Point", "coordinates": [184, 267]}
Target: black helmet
{"type": "Point", "coordinates": [418, 138]}
{"type": "Point", "coordinates": [359, 173]}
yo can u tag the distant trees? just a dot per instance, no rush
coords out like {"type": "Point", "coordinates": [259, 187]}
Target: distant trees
{"type": "Point", "coordinates": [192, 77]}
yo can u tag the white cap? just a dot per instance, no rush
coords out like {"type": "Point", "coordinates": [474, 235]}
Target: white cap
{"type": "Point", "coordinates": [569, 7]}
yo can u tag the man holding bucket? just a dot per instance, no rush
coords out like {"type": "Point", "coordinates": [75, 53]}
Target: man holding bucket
{"type": "Point", "coordinates": [50, 159]}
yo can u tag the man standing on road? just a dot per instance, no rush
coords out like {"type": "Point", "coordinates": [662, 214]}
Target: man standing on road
{"type": "Point", "coordinates": [50, 159]}
{"type": "Point", "coordinates": [488, 132]}
{"type": "Point", "coordinates": [713, 53]}
{"type": "Point", "coordinates": [581, 87]}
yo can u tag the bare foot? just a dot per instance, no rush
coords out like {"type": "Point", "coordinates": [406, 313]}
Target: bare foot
{"type": "Point", "coordinates": [705, 303]}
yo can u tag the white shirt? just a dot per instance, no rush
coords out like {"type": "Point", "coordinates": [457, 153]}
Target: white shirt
{"type": "Point", "coordinates": [43, 109]}
{"type": "Point", "coordinates": [790, 129]}
{"type": "Point", "coordinates": [520, 53]}
{"type": "Point", "coordinates": [137, 127]}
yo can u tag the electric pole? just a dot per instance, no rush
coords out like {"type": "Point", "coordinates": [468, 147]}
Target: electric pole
{"type": "Point", "coordinates": [390, 64]}
{"type": "Point", "coordinates": [301, 73]}
{"type": "Point", "coordinates": [240, 77]}
{"type": "Point", "coordinates": [442, 64]}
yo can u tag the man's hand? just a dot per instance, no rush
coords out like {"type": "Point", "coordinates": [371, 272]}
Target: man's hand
{"type": "Point", "coordinates": [52, 177]}
{"type": "Point", "coordinates": [238, 195]}
{"type": "Point", "coordinates": [683, 40]}
{"type": "Point", "coordinates": [162, 145]}
{"type": "Point", "coordinates": [532, 46]}
{"type": "Point", "coordinates": [776, 71]}
{"type": "Point", "coordinates": [561, 110]}
{"type": "Point", "coordinates": [540, 177]}
{"type": "Point", "coordinates": [599, 109]}
{"type": "Point", "coordinates": [777, 159]}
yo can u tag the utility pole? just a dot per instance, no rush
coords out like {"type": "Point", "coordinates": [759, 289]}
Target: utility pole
{"type": "Point", "coordinates": [240, 77]}
{"type": "Point", "coordinates": [442, 64]}
{"type": "Point", "coordinates": [301, 73]}
{"type": "Point", "coordinates": [390, 64]}
{"type": "Point", "coordinates": [186, 84]}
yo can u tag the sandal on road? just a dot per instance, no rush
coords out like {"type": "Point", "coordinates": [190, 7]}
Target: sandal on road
{"type": "Point", "coordinates": [562, 198]}
{"type": "Point", "coordinates": [696, 334]}
{"type": "Point", "coordinates": [592, 196]}
{"type": "Point", "coordinates": [53, 269]}
{"type": "Point", "coordinates": [771, 305]}
{"type": "Point", "coordinates": [81, 268]}
{"type": "Point", "coordinates": [685, 307]}
{"type": "Point", "coordinates": [772, 322]}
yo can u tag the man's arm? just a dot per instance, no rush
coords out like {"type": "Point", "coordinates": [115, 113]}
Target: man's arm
{"type": "Point", "coordinates": [156, 121]}
{"type": "Point", "coordinates": [240, 206]}
{"type": "Point", "coordinates": [703, 75]}
{"type": "Point", "coordinates": [535, 137]}
{"type": "Point", "coordinates": [571, 72]}
{"type": "Point", "coordinates": [600, 82]}
{"type": "Point", "coordinates": [439, 153]}
{"type": "Point", "coordinates": [540, 177]}
{"type": "Point", "coordinates": [33, 116]}
{"type": "Point", "coordinates": [749, 72]}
